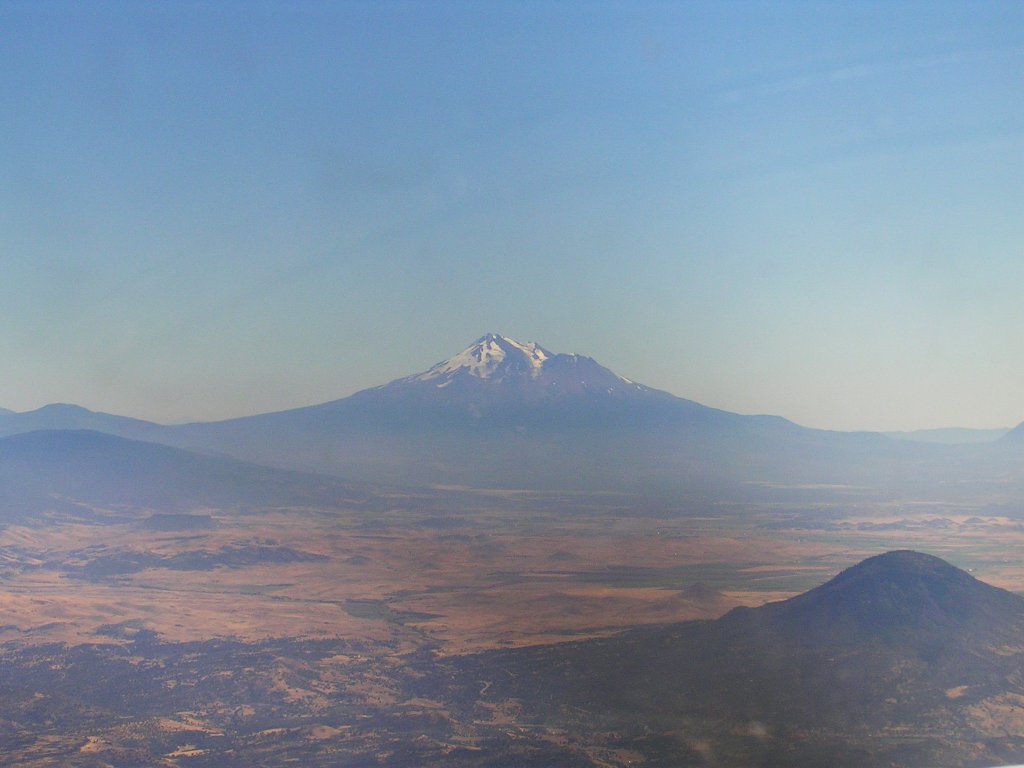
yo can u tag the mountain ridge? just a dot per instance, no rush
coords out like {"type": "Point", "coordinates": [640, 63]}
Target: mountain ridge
{"type": "Point", "coordinates": [62, 416]}
{"type": "Point", "coordinates": [73, 470]}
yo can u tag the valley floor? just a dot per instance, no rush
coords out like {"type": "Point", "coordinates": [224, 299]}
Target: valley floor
{"type": "Point", "coordinates": [242, 637]}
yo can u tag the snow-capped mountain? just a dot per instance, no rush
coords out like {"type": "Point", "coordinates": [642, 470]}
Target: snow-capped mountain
{"type": "Point", "coordinates": [507, 414]}
{"type": "Point", "coordinates": [492, 357]}
{"type": "Point", "coordinates": [498, 367]}
{"type": "Point", "coordinates": [500, 413]}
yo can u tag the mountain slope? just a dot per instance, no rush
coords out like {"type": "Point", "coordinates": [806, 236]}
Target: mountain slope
{"type": "Point", "coordinates": [1015, 436]}
{"type": "Point", "coordinates": [900, 660]}
{"type": "Point", "coordinates": [72, 471]}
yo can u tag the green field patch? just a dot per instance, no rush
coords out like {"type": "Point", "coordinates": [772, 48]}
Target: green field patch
{"type": "Point", "coordinates": [379, 610]}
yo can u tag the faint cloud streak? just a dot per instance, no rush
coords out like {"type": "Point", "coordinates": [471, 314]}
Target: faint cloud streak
{"type": "Point", "coordinates": [864, 71]}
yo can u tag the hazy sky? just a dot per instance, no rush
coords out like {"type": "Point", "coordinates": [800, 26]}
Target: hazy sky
{"type": "Point", "coordinates": [814, 210]}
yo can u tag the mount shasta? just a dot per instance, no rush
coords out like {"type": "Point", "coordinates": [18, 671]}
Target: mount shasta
{"type": "Point", "coordinates": [507, 414]}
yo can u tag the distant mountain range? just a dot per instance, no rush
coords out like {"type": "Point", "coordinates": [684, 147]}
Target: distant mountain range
{"type": "Point", "coordinates": [502, 413]}
{"type": "Point", "coordinates": [902, 659]}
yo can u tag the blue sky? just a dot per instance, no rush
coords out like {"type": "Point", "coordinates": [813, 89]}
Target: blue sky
{"type": "Point", "coordinates": [807, 209]}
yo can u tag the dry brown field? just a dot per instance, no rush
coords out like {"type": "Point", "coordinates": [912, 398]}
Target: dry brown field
{"type": "Point", "coordinates": [468, 571]}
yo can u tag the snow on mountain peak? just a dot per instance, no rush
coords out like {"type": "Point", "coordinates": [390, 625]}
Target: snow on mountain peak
{"type": "Point", "coordinates": [521, 370]}
{"type": "Point", "coordinates": [491, 356]}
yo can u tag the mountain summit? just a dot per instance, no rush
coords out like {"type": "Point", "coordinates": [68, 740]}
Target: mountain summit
{"type": "Point", "coordinates": [512, 369]}
{"type": "Point", "coordinates": [900, 660]}
{"type": "Point", "coordinates": [492, 356]}
{"type": "Point", "coordinates": [901, 595]}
